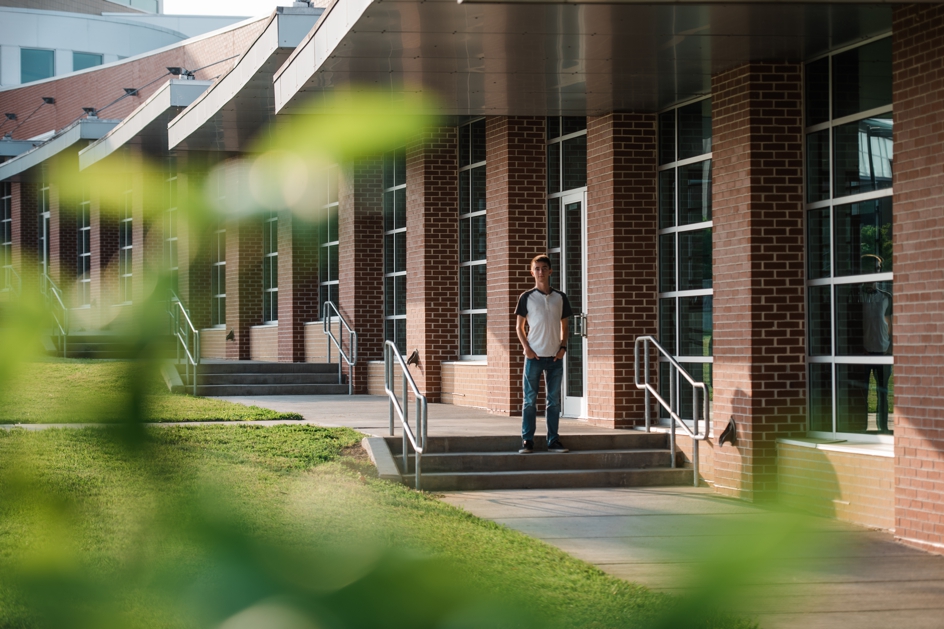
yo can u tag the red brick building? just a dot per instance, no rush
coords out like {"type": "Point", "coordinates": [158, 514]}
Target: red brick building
{"type": "Point", "coordinates": [763, 200]}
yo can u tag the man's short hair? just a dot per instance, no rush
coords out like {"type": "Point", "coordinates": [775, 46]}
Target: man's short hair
{"type": "Point", "coordinates": [541, 258]}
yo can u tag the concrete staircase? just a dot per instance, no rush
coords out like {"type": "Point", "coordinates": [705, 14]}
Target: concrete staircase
{"type": "Point", "coordinates": [620, 459]}
{"type": "Point", "coordinates": [97, 344]}
{"type": "Point", "coordinates": [251, 377]}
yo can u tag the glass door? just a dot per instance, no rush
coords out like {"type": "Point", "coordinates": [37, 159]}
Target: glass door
{"type": "Point", "coordinates": [573, 274]}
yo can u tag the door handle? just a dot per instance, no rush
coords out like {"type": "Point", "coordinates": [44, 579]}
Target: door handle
{"type": "Point", "coordinates": [580, 324]}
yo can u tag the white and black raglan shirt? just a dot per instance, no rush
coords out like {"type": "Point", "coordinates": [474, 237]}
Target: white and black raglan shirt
{"type": "Point", "coordinates": [544, 314]}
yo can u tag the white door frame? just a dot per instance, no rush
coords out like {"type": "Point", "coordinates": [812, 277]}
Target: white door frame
{"type": "Point", "coordinates": [575, 406]}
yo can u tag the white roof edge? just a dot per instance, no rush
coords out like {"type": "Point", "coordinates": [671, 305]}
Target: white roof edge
{"type": "Point", "coordinates": [174, 93]}
{"type": "Point", "coordinates": [270, 40]}
{"type": "Point", "coordinates": [156, 51]}
{"type": "Point", "coordinates": [330, 30]}
{"type": "Point", "coordinates": [85, 129]}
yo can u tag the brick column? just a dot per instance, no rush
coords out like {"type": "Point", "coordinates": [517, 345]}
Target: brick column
{"type": "Point", "coordinates": [918, 329]}
{"type": "Point", "coordinates": [63, 235]}
{"type": "Point", "coordinates": [432, 259]}
{"type": "Point", "coordinates": [516, 193]}
{"type": "Point", "coordinates": [758, 244]}
{"type": "Point", "coordinates": [147, 211]}
{"type": "Point", "coordinates": [243, 283]}
{"type": "Point", "coordinates": [193, 241]}
{"type": "Point", "coordinates": [622, 281]}
{"type": "Point", "coordinates": [104, 263]}
{"type": "Point", "coordinates": [298, 283]}
{"type": "Point", "coordinates": [360, 259]}
{"type": "Point", "coordinates": [24, 214]}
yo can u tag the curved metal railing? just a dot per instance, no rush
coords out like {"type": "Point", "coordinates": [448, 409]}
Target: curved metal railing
{"type": "Point", "coordinates": [12, 281]}
{"type": "Point", "coordinates": [56, 306]}
{"type": "Point", "coordinates": [351, 359]}
{"type": "Point", "coordinates": [391, 355]}
{"type": "Point", "coordinates": [693, 431]}
{"type": "Point", "coordinates": [187, 335]}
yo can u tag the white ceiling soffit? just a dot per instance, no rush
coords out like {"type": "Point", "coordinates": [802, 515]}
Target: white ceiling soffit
{"type": "Point", "coordinates": [230, 113]}
{"type": "Point", "coordinates": [551, 59]}
{"type": "Point", "coordinates": [81, 130]}
{"type": "Point", "coordinates": [146, 125]}
{"type": "Point", "coordinates": [12, 148]}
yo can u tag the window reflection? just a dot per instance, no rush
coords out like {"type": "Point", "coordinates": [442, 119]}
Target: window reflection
{"type": "Point", "coordinates": [694, 196]}
{"type": "Point", "coordinates": [863, 155]}
{"type": "Point", "coordinates": [863, 319]}
{"type": "Point", "coordinates": [864, 237]}
{"type": "Point", "coordinates": [865, 401]}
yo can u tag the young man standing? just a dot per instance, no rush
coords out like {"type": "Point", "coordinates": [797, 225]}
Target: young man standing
{"type": "Point", "coordinates": [546, 312]}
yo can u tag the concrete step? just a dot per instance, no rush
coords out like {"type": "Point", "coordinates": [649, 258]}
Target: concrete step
{"type": "Point", "coordinates": [220, 390]}
{"type": "Point", "coordinates": [542, 461]}
{"type": "Point", "coordinates": [241, 379]}
{"type": "Point", "coordinates": [470, 481]}
{"type": "Point", "coordinates": [253, 366]}
{"type": "Point", "coordinates": [616, 440]}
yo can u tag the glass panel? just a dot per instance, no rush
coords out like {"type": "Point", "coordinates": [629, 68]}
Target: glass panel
{"type": "Point", "coordinates": [701, 372]}
{"type": "Point", "coordinates": [862, 78]}
{"type": "Point", "coordinates": [553, 127]}
{"type": "Point", "coordinates": [399, 166]}
{"type": "Point", "coordinates": [388, 181]}
{"type": "Point", "coordinates": [666, 263]}
{"type": "Point", "coordinates": [333, 224]}
{"type": "Point", "coordinates": [465, 145]}
{"type": "Point", "coordinates": [695, 326]}
{"type": "Point", "coordinates": [390, 330]}
{"type": "Point", "coordinates": [553, 168]}
{"type": "Point", "coordinates": [575, 162]}
{"type": "Point", "coordinates": [36, 65]}
{"type": "Point", "coordinates": [667, 324]}
{"type": "Point", "coordinates": [553, 225]}
{"type": "Point", "coordinates": [465, 288]}
{"type": "Point", "coordinates": [573, 272]}
{"type": "Point", "coordinates": [820, 319]}
{"type": "Point", "coordinates": [400, 289]}
{"type": "Point", "coordinates": [388, 297]}
{"type": "Point", "coordinates": [694, 259]}
{"type": "Point", "coordinates": [667, 199]}
{"type": "Point", "coordinates": [817, 91]}
{"type": "Point", "coordinates": [83, 60]}
{"type": "Point", "coordinates": [821, 397]}
{"type": "Point", "coordinates": [817, 166]}
{"type": "Point", "coordinates": [694, 129]}
{"type": "Point", "coordinates": [864, 237]}
{"type": "Point", "coordinates": [863, 318]}
{"type": "Point", "coordinates": [865, 398]}
{"type": "Point", "coordinates": [333, 274]}
{"type": "Point", "coordinates": [465, 192]}
{"type": "Point", "coordinates": [667, 137]}
{"type": "Point", "coordinates": [479, 334]}
{"type": "Point", "coordinates": [478, 141]}
{"type": "Point", "coordinates": [399, 260]}
{"type": "Point", "coordinates": [388, 211]}
{"type": "Point", "coordinates": [479, 287]}
{"type": "Point", "coordinates": [665, 374]}
{"type": "Point", "coordinates": [817, 241]}
{"type": "Point", "coordinates": [465, 335]}
{"type": "Point", "coordinates": [323, 263]}
{"type": "Point", "coordinates": [401, 335]}
{"type": "Point", "coordinates": [863, 156]}
{"type": "Point", "coordinates": [572, 124]}
{"type": "Point", "coordinates": [694, 197]}
{"type": "Point", "coordinates": [388, 253]}
{"type": "Point", "coordinates": [555, 264]}
{"type": "Point", "coordinates": [465, 240]}
{"type": "Point", "coordinates": [478, 189]}
{"type": "Point", "coordinates": [478, 237]}
{"type": "Point", "coordinates": [399, 217]}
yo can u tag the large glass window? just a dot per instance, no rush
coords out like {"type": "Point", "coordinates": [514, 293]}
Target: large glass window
{"type": "Point", "coordinates": [218, 255]}
{"type": "Point", "coordinates": [125, 246]}
{"type": "Point", "coordinates": [170, 223]}
{"type": "Point", "coordinates": [850, 292]}
{"type": "Point", "coordinates": [394, 208]}
{"type": "Point", "coordinates": [84, 249]}
{"type": "Point", "coordinates": [270, 268]}
{"type": "Point", "coordinates": [685, 262]}
{"type": "Point", "coordinates": [473, 290]}
{"type": "Point", "coordinates": [328, 239]}
{"type": "Point", "coordinates": [36, 64]}
{"type": "Point", "coordinates": [83, 60]}
{"type": "Point", "coordinates": [6, 234]}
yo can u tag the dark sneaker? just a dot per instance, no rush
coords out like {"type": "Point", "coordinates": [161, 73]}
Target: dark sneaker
{"type": "Point", "coordinates": [556, 446]}
{"type": "Point", "coordinates": [527, 447]}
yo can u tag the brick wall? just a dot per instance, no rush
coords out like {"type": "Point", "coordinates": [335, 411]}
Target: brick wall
{"type": "Point", "coordinates": [24, 208]}
{"type": "Point", "coordinates": [63, 233]}
{"type": "Point", "coordinates": [432, 258]}
{"type": "Point", "coordinates": [194, 240]}
{"type": "Point", "coordinates": [759, 346]}
{"type": "Point", "coordinates": [918, 327]}
{"type": "Point", "coordinates": [298, 284]}
{"type": "Point", "coordinates": [264, 342]}
{"type": "Point", "coordinates": [243, 283]}
{"type": "Point", "coordinates": [833, 484]}
{"type": "Point", "coordinates": [104, 263]}
{"type": "Point", "coordinates": [316, 343]}
{"type": "Point", "coordinates": [465, 383]}
{"type": "Point", "coordinates": [213, 343]}
{"type": "Point", "coordinates": [360, 259]}
{"type": "Point", "coordinates": [622, 281]}
{"type": "Point", "coordinates": [516, 193]}
{"type": "Point", "coordinates": [147, 252]}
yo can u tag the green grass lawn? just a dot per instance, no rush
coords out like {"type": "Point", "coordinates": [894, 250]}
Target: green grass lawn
{"type": "Point", "coordinates": [78, 391]}
{"type": "Point", "coordinates": [251, 526]}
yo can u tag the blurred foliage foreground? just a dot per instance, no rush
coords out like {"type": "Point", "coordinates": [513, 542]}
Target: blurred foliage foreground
{"type": "Point", "coordinates": [272, 527]}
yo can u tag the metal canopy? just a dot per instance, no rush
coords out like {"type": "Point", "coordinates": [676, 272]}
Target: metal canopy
{"type": "Point", "coordinates": [84, 129]}
{"type": "Point", "coordinates": [556, 59]}
{"type": "Point", "coordinates": [146, 126]}
{"type": "Point", "coordinates": [242, 103]}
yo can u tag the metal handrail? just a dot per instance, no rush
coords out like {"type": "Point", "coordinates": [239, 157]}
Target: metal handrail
{"type": "Point", "coordinates": [391, 353]}
{"type": "Point", "coordinates": [693, 431]}
{"type": "Point", "coordinates": [57, 307]}
{"type": "Point", "coordinates": [12, 281]}
{"type": "Point", "coordinates": [186, 336]}
{"type": "Point", "coordinates": [352, 343]}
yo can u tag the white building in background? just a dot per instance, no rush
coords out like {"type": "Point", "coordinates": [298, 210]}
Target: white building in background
{"type": "Point", "coordinates": [37, 43]}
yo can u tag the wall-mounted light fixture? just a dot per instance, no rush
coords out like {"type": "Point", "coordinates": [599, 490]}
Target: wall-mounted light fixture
{"type": "Point", "coordinates": [49, 100]}
{"type": "Point", "coordinates": [90, 112]}
{"type": "Point", "coordinates": [130, 91]}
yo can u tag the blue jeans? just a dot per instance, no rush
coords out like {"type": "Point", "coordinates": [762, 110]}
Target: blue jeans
{"type": "Point", "coordinates": [553, 372]}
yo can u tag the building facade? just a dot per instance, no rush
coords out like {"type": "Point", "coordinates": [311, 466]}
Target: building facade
{"type": "Point", "coordinates": [768, 212]}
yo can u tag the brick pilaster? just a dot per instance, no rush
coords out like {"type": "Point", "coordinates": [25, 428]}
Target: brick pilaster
{"type": "Point", "coordinates": [516, 193]}
{"type": "Point", "coordinates": [759, 326]}
{"type": "Point", "coordinates": [243, 283]}
{"type": "Point", "coordinates": [24, 213]}
{"type": "Point", "coordinates": [104, 263]}
{"type": "Point", "coordinates": [622, 281]}
{"type": "Point", "coordinates": [298, 283]}
{"type": "Point", "coordinates": [432, 259]}
{"type": "Point", "coordinates": [360, 259]}
{"type": "Point", "coordinates": [147, 234]}
{"type": "Point", "coordinates": [918, 329]}
{"type": "Point", "coordinates": [63, 240]}
{"type": "Point", "coordinates": [194, 240]}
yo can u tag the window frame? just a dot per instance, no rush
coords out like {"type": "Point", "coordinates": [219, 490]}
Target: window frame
{"type": "Point", "coordinates": [465, 267]}
{"type": "Point", "coordinates": [270, 259]}
{"type": "Point", "coordinates": [395, 276]}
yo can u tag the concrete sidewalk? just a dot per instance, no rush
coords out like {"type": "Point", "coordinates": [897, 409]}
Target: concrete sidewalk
{"type": "Point", "coordinates": [834, 575]}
